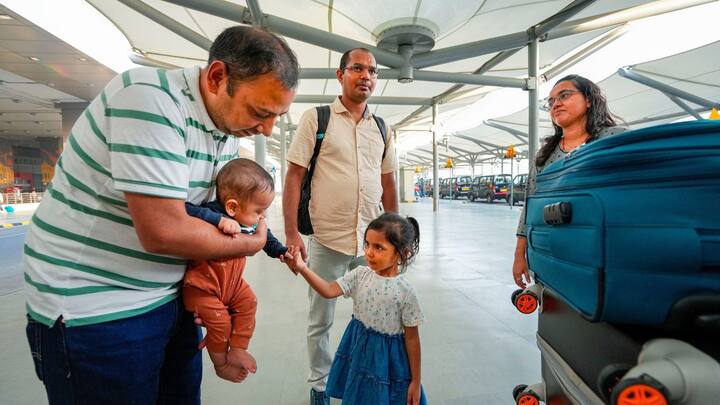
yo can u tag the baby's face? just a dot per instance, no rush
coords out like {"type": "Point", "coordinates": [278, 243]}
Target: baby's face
{"type": "Point", "coordinates": [249, 213]}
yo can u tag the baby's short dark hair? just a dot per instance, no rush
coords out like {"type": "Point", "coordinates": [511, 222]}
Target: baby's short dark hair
{"type": "Point", "coordinates": [241, 179]}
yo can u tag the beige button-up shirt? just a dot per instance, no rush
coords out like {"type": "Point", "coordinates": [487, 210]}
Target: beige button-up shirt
{"type": "Point", "coordinates": [346, 187]}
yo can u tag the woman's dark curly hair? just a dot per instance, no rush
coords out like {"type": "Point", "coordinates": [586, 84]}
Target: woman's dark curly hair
{"type": "Point", "coordinates": [598, 116]}
{"type": "Point", "coordinates": [402, 233]}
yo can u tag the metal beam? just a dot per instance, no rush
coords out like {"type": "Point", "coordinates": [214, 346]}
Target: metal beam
{"type": "Point", "coordinates": [143, 60]}
{"type": "Point", "coordinates": [533, 104]}
{"type": "Point", "coordinates": [665, 117]}
{"type": "Point", "coordinates": [494, 61]}
{"type": "Point", "coordinates": [255, 12]}
{"type": "Point", "coordinates": [623, 16]}
{"type": "Point", "coordinates": [429, 152]}
{"type": "Point", "coordinates": [169, 23]}
{"type": "Point", "coordinates": [291, 29]}
{"type": "Point", "coordinates": [501, 43]}
{"type": "Point", "coordinates": [426, 76]}
{"type": "Point", "coordinates": [514, 132]}
{"type": "Point", "coordinates": [487, 66]}
{"type": "Point", "coordinates": [463, 78]}
{"type": "Point", "coordinates": [551, 30]}
{"type": "Point", "coordinates": [330, 73]}
{"type": "Point", "coordinates": [436, 170]}
{"type": "Point", "coordinates": [594, 46]}
{"type": "Point", "coordinates": [461, 151]}
{"type": "Point", "coordinates": [667, 89]}
{"type": "Point", "coordinates": [684, 106]}
{"type": "Point", "coordinates": [542, 28]}
{"type": "Point", "coordinates": [482, 144]}
{"type": "Point", "coordinates": [323, 99]}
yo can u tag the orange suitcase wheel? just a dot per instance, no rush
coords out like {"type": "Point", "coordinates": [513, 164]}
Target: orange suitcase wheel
{"type": "Point", "coordinates": [525, 302]}
{"type": "Point", "coordinates": [528, 399]}
{"type": "Point", "coordinates": [639, 391]}
{"type": "Point", "coordinates": [523, 397]}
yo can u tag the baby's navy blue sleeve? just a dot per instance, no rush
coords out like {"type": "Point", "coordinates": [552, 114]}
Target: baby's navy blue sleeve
{"type": "Point", "coordinates": [273, 247]}
{"type": "Point", "coordinates": [206, 214]}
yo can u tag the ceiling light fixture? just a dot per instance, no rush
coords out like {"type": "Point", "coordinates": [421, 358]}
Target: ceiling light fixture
{"type": "Point", "coordinates": [81, 59]}
{"type": "Point", "coordinates": [33, 58]}
{"type": "Point", "coordinates": [5, 17]}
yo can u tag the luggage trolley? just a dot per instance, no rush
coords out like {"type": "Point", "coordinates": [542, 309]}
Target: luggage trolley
{"type": "Point", "coordinates": [628, 276]}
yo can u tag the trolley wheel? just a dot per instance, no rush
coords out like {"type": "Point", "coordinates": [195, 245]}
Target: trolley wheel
{"type": "Point", "coordinates": [639, 391]}
{"type": "Point", "coordinates": [528, 398]}
{"type": "Point", "coordinates": [518, 389]}
{"type": "Point", "coordinates": [513, 297]}
{"type": "Point", "coordinates": [525, 302]}
{"type": "Point", "coordinates": [609, 377]}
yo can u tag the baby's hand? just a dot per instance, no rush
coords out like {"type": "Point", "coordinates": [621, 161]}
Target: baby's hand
{"type": "Point", "coordinates": [229, 226]}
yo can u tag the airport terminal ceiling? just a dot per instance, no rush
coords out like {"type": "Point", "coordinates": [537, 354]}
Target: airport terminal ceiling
{"type": "Point", "coordinates": [445, 44]}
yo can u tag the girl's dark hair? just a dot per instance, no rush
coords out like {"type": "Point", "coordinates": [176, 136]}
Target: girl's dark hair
{"type": "Point", "coordinates": [598, 116]}
{"type": "Point", "coordinates": [402, 233]}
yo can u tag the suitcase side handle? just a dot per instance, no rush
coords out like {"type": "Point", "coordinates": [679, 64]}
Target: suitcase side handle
{"type": "Point", "coordinates": [696, 311]}
{"type": "Point", "coordinates": [558, 213]}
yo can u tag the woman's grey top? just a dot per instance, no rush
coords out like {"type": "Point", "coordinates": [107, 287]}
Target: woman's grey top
{"type": "Point", "coordinates": [556, 155]}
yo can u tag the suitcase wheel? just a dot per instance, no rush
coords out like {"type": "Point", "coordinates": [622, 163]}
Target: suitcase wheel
{"type": "Point", "coordinates": [528, 398]}
{"type": "Point", "coordinates": [513, 297]}
{"type": "Point", "coordinates": [523, 397]}
{"type": "Point", "coordinates": [518, 388]}
{"type": "Point", "coordinates": [639, 391]}
{"type": "Point", "coordinates": [525, 301]}
{"type": "Point", "coordinates": [609, 377]}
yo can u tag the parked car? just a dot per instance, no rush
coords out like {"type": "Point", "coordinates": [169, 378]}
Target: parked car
{"type": "Point", "coordinates": [462, 186]}
{"type": "Point", "coordinates": [519, 187]}
{"type": "Point", "coordinates": [490, 188]}
{"type": "Point", "coordinates": [445, 187]}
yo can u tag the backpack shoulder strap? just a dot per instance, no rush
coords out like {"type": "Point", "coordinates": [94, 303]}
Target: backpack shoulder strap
{"type": "Point", "coordinates": [323, 113]}
{"type": "Point", "coordinates": [383, 131]}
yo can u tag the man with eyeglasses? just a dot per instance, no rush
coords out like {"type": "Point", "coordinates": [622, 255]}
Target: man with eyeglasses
{"type": "Point", "coordinates": [354, 173]}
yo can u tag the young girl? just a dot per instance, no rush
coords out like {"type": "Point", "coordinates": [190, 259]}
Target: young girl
{"type": "Point", "coordinates": [378, 360]}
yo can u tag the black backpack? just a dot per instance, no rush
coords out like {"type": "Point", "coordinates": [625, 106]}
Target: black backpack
{"type": "Point", "coordinates": [323, 113]}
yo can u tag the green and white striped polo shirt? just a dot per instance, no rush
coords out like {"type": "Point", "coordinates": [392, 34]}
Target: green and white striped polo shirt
{"type": "Point", "coordinates": [148, 132]}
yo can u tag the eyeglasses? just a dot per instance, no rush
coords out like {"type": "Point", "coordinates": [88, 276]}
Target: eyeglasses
{"type": "Point", "coordinates": [564, 95]}
{"type": "Point", "coordinates": [359, 67]}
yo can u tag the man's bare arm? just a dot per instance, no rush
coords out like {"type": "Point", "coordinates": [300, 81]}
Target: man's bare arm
{"type": "Point", "coordinates": [389, 195]}
{"type": "Point", "coordinates": [164, 227]}
{"type": "Point", "coordinates": [291, 201]}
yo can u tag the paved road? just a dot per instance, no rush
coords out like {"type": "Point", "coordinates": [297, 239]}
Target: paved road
{"type": "Point", "coordinates": [11, 272]}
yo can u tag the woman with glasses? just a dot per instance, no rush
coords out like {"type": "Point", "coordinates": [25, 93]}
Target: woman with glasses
{"type": "Point", "coordinates": [579, 115]}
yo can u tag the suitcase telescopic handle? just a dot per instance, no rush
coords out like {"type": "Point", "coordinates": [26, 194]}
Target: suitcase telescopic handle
{"type": "Point", "coordinates": [558, 213]}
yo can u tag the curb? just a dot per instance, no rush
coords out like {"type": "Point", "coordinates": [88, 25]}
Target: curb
{"type": "Point", "coordinates": [8, 226]}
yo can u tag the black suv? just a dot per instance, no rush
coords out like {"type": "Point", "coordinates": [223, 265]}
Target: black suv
{"type": "Point", "coordinates": [462, 187]}
{"type": "Point", "coordinates": [490, 188]}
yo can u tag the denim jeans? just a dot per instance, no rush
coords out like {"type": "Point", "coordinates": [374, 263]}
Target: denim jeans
{"type": "Point", "coordinates": [147, 359]}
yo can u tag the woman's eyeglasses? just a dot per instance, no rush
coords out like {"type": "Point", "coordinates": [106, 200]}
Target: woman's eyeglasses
{"type": "Point", "coordinates": [358, 68]}
{"type": "Point", "coordinates": [562, 96]}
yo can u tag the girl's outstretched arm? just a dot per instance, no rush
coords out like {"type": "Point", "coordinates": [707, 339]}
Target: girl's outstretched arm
{"type": "Point", "coordinates": [412, 343]}
{"type": "Point", "coordinates": [319, 284]}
